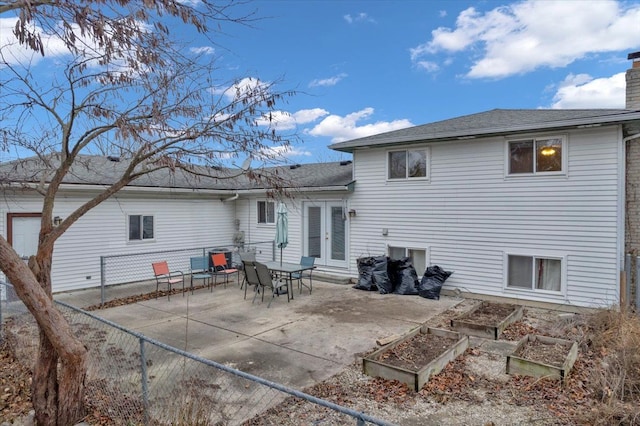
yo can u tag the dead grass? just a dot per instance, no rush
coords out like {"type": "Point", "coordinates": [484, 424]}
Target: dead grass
{"type": "Point", "coordinates": [614, 336]}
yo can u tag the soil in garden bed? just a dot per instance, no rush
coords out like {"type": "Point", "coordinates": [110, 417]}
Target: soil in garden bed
{"type": "Point", "coordinates": [415, 353]}
{"type": "Point", "coordinates": [544, 353]}
{"type": "Point", "coordinates": [489, 314]}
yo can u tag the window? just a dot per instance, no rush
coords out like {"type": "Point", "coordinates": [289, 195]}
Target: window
{"type": "Point", "coordinates": [407, 164]}
{"type": "Point", "coordinates": [534, 156]}
{"type": "Point", "coordinates": [140, 227]}
{"type": "Point", "coordinates": [418, 257]}
{"type": "Point", "coordinates": [266, 212]}
{"type": "Point", "coordinates": [534, 273]}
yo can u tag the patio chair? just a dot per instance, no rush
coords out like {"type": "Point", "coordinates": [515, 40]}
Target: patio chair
{"type": "Point", "coordinates": [267, 281]}
{"type": "Point", "coordinates": [199, 270]}
{"type": "Point", "coordinates": [246, 256]}
{"type": "Point", "coordinates": [305, 261]}
{"type": "Point", "coordinates": [250, 276]}
{"type": "Point", "coordinates": [220, 267]}
{"type": "Point", "coordinates": [166, 277]}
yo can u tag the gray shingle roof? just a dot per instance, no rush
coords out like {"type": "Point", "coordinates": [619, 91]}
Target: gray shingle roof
{"type": "Point", "coordinates": [494, 122]}
{"type": "Point", "coordinates": [99, 170]}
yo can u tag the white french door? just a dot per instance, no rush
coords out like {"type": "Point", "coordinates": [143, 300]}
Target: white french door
{"type": "Point", "coordinates": [325, 232]}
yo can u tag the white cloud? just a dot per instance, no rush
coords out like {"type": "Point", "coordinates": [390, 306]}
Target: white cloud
{"type": "Point", "coordinates": [527, 35]}
{"type": "Point", "coordinates": [203, 50]}
{"type": "Point", "coordinates": [242, 88]}
{"type": "Point", "coordinates": [331, 81]}
{"type": "Point", "coordinates": [345, 128]}
{"type": "Point", "coordinates": [428, 66]}
{"type": "Point", "coordinates": [583, 91]}
{"type": "Point", "coordinates": [281, 152]}
{"type": "Point", "coordinates": [13, 53]}
{"type": "Point", "coordinates": [360, 17]}
{"type": "Point", "coordinates": [282, 120]}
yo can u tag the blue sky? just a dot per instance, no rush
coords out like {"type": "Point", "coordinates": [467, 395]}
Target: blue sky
{"type": "Point", "coordinates": [366, 67]}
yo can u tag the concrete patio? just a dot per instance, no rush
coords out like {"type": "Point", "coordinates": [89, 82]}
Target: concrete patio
{"type": "Point", "coordinates": [296, 344]}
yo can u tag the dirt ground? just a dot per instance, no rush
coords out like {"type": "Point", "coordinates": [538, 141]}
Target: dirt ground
{"type": "Point", "coordinates": [472, 390]}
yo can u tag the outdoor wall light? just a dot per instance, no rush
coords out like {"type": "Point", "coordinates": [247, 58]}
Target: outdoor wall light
{"type": "Point", "coordinates": [57, 221]}
{"type": "Point", "coordinates": [352, 213]}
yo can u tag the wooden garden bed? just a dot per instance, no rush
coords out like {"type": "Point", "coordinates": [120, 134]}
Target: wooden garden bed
{"type": "Point", "coordinates": [415, 357]}
{"type": "Point", "coordinates": [542, 356]}
{"type": "Point", "coordinates": [487, 320]}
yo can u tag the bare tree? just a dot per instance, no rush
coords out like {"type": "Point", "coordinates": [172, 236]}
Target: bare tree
{"type": "Point", "coordinates": [128, 90]}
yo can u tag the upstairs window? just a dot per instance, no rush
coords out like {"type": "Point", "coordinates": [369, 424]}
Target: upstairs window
{"type": "Point", "coordinates": [407, 164]}
{"type": "Point", "coordinates": [266, 212]}
{"type": "Point", "coordinates": [536, 156]}
{"type": "Point", "coordinates": [140, 227]}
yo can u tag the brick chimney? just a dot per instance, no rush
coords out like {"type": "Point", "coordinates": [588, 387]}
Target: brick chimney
{"type": "Point", "coordinates": [633, 82]}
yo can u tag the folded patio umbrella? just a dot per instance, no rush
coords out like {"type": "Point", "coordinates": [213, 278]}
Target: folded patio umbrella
{"type": "Point", "coordinates": [282, 228]}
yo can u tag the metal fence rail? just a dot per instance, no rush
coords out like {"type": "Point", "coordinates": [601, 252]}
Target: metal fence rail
{"type": "Point", "coordinates": [133, 379]}
{"type": "Point", "coordinates": [136, 267]}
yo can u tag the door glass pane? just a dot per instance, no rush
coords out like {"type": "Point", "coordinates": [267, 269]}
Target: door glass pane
{"type": "Point", "coordinates": [520, 271]}
{"type": "Point", "coordinates": [314, 233]}
{"type": "Point", "coordinates": [337, 234]}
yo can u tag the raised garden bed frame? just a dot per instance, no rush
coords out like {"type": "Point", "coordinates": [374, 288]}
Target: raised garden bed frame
{"type": "Point", "coordinates": [465, 324]}
{"type": "Point", "coordinates": [523, 366]}
{"type": "Point", "coordinates": [372, 366]}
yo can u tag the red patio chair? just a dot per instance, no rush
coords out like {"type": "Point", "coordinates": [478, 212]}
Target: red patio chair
{"type": "Point", "coordinates": [220, 267]}
{"type": "Point", "coordinates": [164, 276]}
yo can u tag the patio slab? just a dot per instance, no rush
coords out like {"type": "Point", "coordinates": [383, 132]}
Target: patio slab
{"type": "Point", "coordinates": [296, 343]}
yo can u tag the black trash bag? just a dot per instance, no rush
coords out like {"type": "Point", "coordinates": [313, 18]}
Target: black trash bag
{"type": "Point", "coordinates": [432, 281]}
{"type": "Point", "coordinates": [365, 277]}
{"type": "Point", "coordinates": [381, 275]}
{"type": "Point", "coordinates": [405, 277]}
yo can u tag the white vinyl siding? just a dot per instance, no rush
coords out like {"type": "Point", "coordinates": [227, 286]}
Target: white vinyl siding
{"type": "Point", "coordinates": [470, 214]}
{"type": "Point", "coordinates": [180, 222]}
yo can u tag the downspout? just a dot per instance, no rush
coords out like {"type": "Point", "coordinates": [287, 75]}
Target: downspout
{"type": "Point", "coordinates": [235, 197]}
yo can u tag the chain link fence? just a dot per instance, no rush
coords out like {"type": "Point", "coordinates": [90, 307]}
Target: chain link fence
{"type": "Point", "coordinates": [136, 380]}
{"type": "Point", "coordinates": [632, 281]}
{"type": "Point", "coordinates": [136, 267]}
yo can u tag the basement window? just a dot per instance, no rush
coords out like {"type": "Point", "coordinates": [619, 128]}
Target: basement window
{"type": "Point", "coordinates": [534, 273]}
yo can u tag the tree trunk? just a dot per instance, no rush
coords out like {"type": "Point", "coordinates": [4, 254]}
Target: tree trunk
{"type": "Point", "coordinates": [61, 365]}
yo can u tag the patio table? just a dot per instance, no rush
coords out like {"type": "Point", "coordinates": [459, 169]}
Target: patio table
{"type": "Point", "coordinates": [287, 269]}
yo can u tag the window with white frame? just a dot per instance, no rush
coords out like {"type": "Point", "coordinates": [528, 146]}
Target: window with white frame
{"type": "Point", "coordinates": [534, 273]}
{"type": "Point", "coordinates": [266, 212]}
{"type": "Point", "coordinates": [407, 164]}
{"type": "Point", "coordinates": [140, 227]}
{"type": "Point", "coordinates": [536, 156]}
{"type": "Point", "coordinates": [418, 257]}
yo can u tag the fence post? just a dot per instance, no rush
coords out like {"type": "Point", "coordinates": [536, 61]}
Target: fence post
{"type": "Point", "coordinates": [627, 270]}
{"type": "Point", "coordinates": [636, 286]}
{"type": "Point", "coordinates": [103, 274]}
{"type": "Point", "coordinates": [145, 388]}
